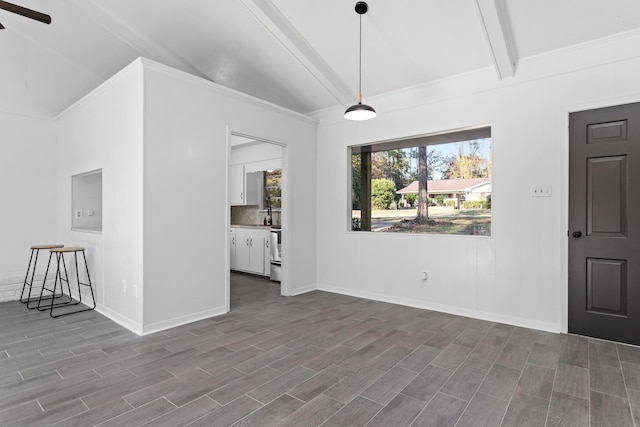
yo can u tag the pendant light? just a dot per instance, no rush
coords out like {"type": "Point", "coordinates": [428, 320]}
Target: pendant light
{"type": "Point", "coordinates": [360, 111]}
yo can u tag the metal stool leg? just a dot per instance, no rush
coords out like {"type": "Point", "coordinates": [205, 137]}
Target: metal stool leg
{"type": "Point", "coordinates": [24, 286]}
{"type": "Point", "coordinates": [53, 296]}
{"type": "Point", "coordinates": [31, 268]}
{"type": "Point", "coordinates": [66, 279]}
{"type": "Point", "coordinates": [44, 281]}
{"type": "Point", "coordinates": [93, 298]}
{"type": "Point", "coordinates": [59, 254]}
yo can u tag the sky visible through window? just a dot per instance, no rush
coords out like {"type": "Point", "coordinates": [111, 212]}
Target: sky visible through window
{"type": "Point", "coordinates": [446, 150]}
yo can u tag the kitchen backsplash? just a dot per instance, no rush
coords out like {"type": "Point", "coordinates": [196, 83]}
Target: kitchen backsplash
{"type": "Point", "coordinates": [250, 215]}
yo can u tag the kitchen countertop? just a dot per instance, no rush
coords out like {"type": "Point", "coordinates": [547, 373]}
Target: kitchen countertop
{"type": "Point", "coordinates": [252, 226]}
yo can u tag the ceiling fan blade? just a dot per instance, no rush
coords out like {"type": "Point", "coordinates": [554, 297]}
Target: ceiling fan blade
{"type": "Point", "coordinates": [29, 13]}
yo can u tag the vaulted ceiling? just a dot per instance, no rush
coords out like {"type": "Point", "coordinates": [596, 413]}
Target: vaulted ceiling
{"type": "Point", "coordinates": [299, 54]}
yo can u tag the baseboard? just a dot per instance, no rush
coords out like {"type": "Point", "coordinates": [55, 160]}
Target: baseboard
{"type": "Point", "coordinates": [304, 290]}
{"type": "Point", "coordinates": [11, 287]}
{"type": "Point", "coordinates": [458, 311]}
{"type": "Point", "coordinates": [182, 320]}
{"type": "Point", "coordinates": [10, 291]}
{"type": "Point", "coordinates": [120, 319]}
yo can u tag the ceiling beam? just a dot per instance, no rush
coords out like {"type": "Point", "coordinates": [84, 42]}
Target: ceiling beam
{"type": "Point", "coordinates": [278, 25]}
{"type": "Point", "coordinates": [136, 39]}
{"type": "Point", "coordinates": [498, 33]}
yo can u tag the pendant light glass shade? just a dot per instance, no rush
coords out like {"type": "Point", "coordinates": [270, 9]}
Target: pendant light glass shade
{"type": "Point", "coordinates": [360, 111]}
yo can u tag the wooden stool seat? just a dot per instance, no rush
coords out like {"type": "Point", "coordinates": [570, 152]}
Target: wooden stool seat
{"type": "Point", "coordinates": [68, 249]}
{"type": "Point", "coordinates": [52, 246]}
{"type": "Point", "coordinates": [35, 249]}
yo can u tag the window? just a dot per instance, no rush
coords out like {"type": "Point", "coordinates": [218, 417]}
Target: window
{"type": "Point", "coordinates": [429, 184]}
{"type": "Point", "coordinates": [86, 194]}
{"type": "Point", "coordinates": [273, 187]}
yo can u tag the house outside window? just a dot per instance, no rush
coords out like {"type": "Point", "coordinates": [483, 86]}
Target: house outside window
{"type": "Point", "coordinates": [438, 184]}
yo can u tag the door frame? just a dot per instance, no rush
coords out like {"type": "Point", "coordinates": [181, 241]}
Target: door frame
{"type": "Point", "coordinates": [285, 284]}
{"type": "Point", "coordinates": [565, 111]}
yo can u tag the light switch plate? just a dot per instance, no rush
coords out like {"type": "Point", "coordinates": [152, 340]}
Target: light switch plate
{"type": "Point", "coordinates": [541, 191]}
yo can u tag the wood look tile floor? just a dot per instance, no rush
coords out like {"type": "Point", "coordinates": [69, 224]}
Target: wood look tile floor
{"type": "Point", "coordinates": [315, 359]}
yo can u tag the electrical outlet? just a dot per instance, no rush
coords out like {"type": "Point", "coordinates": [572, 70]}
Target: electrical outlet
{"type": "Point", "coordinates": [78, 214]}
{"type": "Point", "coordinates": [541, 191]}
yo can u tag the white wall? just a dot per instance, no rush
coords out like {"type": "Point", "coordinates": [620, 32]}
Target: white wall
{"type": "Point", "coordinates": [257, 157]}
{"type": "Point", "coordinates": [28, 189]}
{"type": "Point", "coordinates": [186, 214]}
{"type": "Point", "coordinates": [518, 275]}
{"type": "Point", "coordinates": [160, 138]}
{"type": "Point", "coordinates": [28, 154]}
{"type": "Point", "coordinates": [104, 131]}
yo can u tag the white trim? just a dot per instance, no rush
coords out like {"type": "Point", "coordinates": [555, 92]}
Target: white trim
{"type": "Point", "coordinates": [285, 284]}
{"type": "Point", "coordinates": [565, 110]}
{"type": "Point", "coordinates": [183, 320]}
{"type": "Point", "coordinates": [121, 320]}
{"type": "Point", "coordinates": [10, 292]}
{"type": "Point", "coordinates": [458, 311]}
{"type": "Point", "coordinates": [304, 290]}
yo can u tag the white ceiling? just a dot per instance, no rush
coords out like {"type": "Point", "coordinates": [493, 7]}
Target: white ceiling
{"type": "Point", "coordinates": [295, 53]}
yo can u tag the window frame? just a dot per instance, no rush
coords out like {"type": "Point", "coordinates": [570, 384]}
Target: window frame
{"type": "Point", "coordinates": [465, 134]}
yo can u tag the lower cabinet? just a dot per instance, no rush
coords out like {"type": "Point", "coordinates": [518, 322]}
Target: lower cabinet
{"type": "Point", "coordinates": [247, 247]}
{"type": "Point", "coordinates": [232, 249]}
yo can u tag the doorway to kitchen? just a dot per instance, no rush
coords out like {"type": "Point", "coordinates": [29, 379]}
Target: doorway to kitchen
{"type": "Point", "coordinates": [256, 194]}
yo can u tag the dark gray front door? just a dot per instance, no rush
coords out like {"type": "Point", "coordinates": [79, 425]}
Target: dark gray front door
{"type": "Point", "coordinates": [604, 223]}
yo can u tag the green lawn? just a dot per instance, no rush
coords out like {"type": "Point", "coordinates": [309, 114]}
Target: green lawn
{"type": "Point", "coordinates": [442, 220]}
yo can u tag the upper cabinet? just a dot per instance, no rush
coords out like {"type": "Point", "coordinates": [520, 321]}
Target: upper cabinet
{"type": "Point", "coordinates": [236, 185]}
{"type": "Point", "coordinates": [245, 188]}
{"type": "Point", "coordinates": [246, 172]}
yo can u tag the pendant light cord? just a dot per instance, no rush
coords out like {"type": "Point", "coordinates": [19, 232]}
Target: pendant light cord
{"type": "Point", "coordinates": [360, 111]}
{"type": "Point", "coordinates": [360, 66]}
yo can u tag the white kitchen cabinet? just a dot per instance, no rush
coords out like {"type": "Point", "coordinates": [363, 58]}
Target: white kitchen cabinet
{"type": "Point", "coordinates": [249, 246]}
{"type": "Point", "coordinates": [267, 255]}
{"type": "Point", "coordinates": [236, 184]}
{"type": "Point", "coordinates": [243, 252]}
{"type": "Point", "coordinates": [256, 254]}
{"type": "Point", "coordinates": [232, 249]}
{"type": "Point", "coordinates": [244, 188]}
{"type": "Point", "coordinates": [253, 187]}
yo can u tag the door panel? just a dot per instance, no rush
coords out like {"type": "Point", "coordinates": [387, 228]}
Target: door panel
{"type": "Point", "coordinates": [607, 286]}
{"type": "Point", "coordinates": [604, 221]}
{"type": "Point", "coordinates": [607, 196]}
{"type": "Point", "coordinates": [607, 132]}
